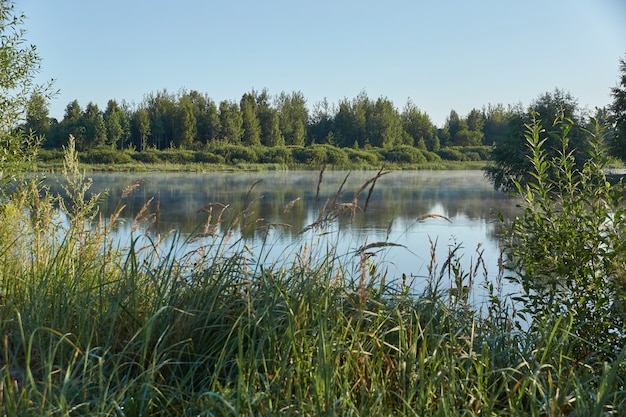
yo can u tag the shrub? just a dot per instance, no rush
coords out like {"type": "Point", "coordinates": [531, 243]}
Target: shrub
{"type": "Point", "coordinates": [361, 156]}
{"type": "Point", "coordinates": [208, 157]}
{"type": "Point", "coordinates": [235, 154]}
{"type": "Point", "coordinates": [405, 154]}
{"type": "Point", "coordinates": [107, 156]}
{"type": "Point", "coordinates": [451, 154]}
{"type": "Point", "coordinates": [567, 248]}
{"type": "Point", "coordinates": [148, 156]}
{"type": "Point", "coordinates": [178, 156]}
{"type": "Point", "coordinates": [276, 155]}
{"type": "Point", "coordinates": [310, 155]}
{"type": "Point", "coordinates": [335, 156]}
{"type": "Point", "coordinates": [431, 156]}
{"type": "Point", "coordinates": [483, 153]}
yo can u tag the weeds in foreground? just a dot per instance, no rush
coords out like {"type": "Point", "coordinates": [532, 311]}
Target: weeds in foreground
{"type": "Point", "coordinates": [92, 329]}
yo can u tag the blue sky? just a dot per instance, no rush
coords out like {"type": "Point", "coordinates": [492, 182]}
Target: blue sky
{"type": "Point", "coordinates": [442, 55]}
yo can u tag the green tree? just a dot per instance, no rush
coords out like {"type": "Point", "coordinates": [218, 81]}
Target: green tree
{"type": "Point", "coordinates": [496, 123]}
{"type": "Point", "coordinates": [71, 124]}
{"type": "Point", "coordinates": [249, 120]}
{"type": "Point", "coordinates": [37, 116]}
{"type": "Point", "coordinates": [95, 129]}
{"type": "Point", "coordinates": [19, 64]}
{"type": "Point", "coordinates": [351, 120]}
{"type": "Point", "coordinates": [184, 123]}
{"type": "Point", "coordinates": [161, 109]}
{"type": "Point", "coordinates": [322, 123]}
{"type": "Point", "coordinates": [554, 111]}
{"type": "Point", "coordinates": [419, 127]}
{"type": "Point", "coordinates": [269, 121]}
{"type": "Point", "coordinates": [113, 124]}
{"type": "Point", "coordinates": [617, 144]}
{"type": "Point", "coordinates": [384, 127]}
{"type": "Point", "coordinates": [454, 124]}
{"type": "Point", "coordinates": [293, 117]}
{"type": "Point", "coordinates": [231, 122]}
{"type": "Point", "coordinates": [207, 117]}
{"type": "Point", "coordinates": [141, 127]}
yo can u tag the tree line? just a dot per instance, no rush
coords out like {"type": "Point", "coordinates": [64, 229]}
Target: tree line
{"type": "Point", "coordinates": [192, 120]}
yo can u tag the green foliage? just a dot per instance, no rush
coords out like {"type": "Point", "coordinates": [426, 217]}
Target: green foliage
{"type": "Point", "coordinates": [208, 157]}
{"type": "Point", "coordinates": [617, 143]}
{"type": "Point", "coordinates": [451, 154]}
{"type": "Point", "coordinates": [106, 155]}
{"type": "Point", "coordinates": [362, 156]}
{"type": "Point", "coordinates": [177, 156]}
{"type": "Point", "coordinates": [93, 329]}
{"type": "Point", "coordinates": [511, 155]}
{"type": "Point", "coordinates": [404, 154]}
{"type": "Point", "coordinates": [275, 155]}
{"type": "Point", "coordinates": [567, 248]}
{"type": "Point", "coordinates": [19, 64]}
{"type": "Point", "coordinates": [234, 154]}
{"type": "Point", "coordinates": [147, 156]}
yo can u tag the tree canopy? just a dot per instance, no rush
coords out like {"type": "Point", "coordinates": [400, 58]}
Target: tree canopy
{"type": "Point", "coordinates": [22, 101]}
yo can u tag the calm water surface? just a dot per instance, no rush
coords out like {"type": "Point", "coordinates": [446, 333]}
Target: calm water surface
{"type": "Point", "coordinates": [394, 209]}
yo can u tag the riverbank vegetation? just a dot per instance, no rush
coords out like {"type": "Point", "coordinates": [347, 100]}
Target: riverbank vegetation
{"type": "Point", "coordinates": [91, 328]}
{"type": "Point", "coordinates": [144, 328]}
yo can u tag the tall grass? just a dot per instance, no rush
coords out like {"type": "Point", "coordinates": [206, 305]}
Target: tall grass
{"type": "Point", "coordinates": [89, 328]}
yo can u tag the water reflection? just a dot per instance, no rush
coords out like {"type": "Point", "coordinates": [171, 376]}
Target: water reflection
{"type": "Point", "coordinates": [397, 202]}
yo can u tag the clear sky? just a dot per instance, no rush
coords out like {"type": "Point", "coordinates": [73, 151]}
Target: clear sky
{"type": "Point", "coordinates": [440, 54]}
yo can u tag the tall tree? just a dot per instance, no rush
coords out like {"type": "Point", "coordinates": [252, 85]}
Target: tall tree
{"type": "Point", "coordinates": [351, 120]}
{"type": "Point", "coordinates": [184, 123]}
{"type": "Point", "coordinates": [37, 115]}
{"type": "Point", "coordinates": [71, 125]}
{"type": "Point", "coordinates": [249, 120]}
{"type": "Point", "coordinates": [322, 123]}
{"type": "Point", "coordinates": [617, 144]}
{"type": "Point", "coordinates": [511, 153]}
{"type": "Point", "coordinates": [384, 127]}
{"type": "Point", "coordinates": [19, 64]}
{"type": "Point", "coordinates": [269, 121]}
{"type": "Point", "coordinates": [231, 122]}
{"type": "Point", "coordinates": [161, 108]}
{"type": "Point", "coordinates": [141, 127]}
{"type": "Point", "coordinates": [419, 127]}
{"type": "Point", "coordinates": [293, 115]}
{"type": "Point", "coordinates": [95, 130]}
{"type": "Point", "coordinates": [496, 123]}
{"type": "Point", "coordinates": [113, 124]}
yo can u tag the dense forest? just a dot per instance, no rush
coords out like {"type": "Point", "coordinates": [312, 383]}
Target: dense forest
{"type": "Point", "coordinates": [189, 126]}
{"type": "Point", "coordinates": [190, 119]}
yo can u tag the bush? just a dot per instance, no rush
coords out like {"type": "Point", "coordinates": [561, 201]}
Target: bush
{"type": "Point", "coordinates": [235, 154]}
{"type": "Point", "coordinates": [567, 248]}
{"type": "Point", "coordinates": [319, 155]}
{"type": "Point", "coordinates": [483, 153]}
{"type": "Point", "coordinates": [431, 156]}
{"type": "Point", "coordinates": [178, 156]}
{"type": "Point", "coordinates": [361, 156]}
{"type": "Point", "coordinates": [148, 156]}
{"type": "Point", "coordinates": [106, 156]}
{"type": "Point", "coordinates": [405, 154]}
{"type": "Point", "coordinates": [208, 157]}
{"type": "Point", "coordinates": [451, 154]}
{"type": "Point", "coordinates": [276, 155]}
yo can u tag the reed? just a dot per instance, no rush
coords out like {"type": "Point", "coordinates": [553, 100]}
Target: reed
{"type": "Point", "coordinates": [91, 328]}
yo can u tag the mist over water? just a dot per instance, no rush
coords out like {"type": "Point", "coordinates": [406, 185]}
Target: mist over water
{"type": "Point", "coordinates": [278, 206]}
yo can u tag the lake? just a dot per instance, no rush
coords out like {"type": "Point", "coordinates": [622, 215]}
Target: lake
{"type": "Point", "coordinates": [279, 206]}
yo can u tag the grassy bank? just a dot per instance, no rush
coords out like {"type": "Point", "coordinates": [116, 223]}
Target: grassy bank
{"type": "Point", "coordinates": [93, 329]}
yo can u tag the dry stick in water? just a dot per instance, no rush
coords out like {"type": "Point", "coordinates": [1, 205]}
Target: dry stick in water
{"type": "Point", "coordinates": [319, 182]}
